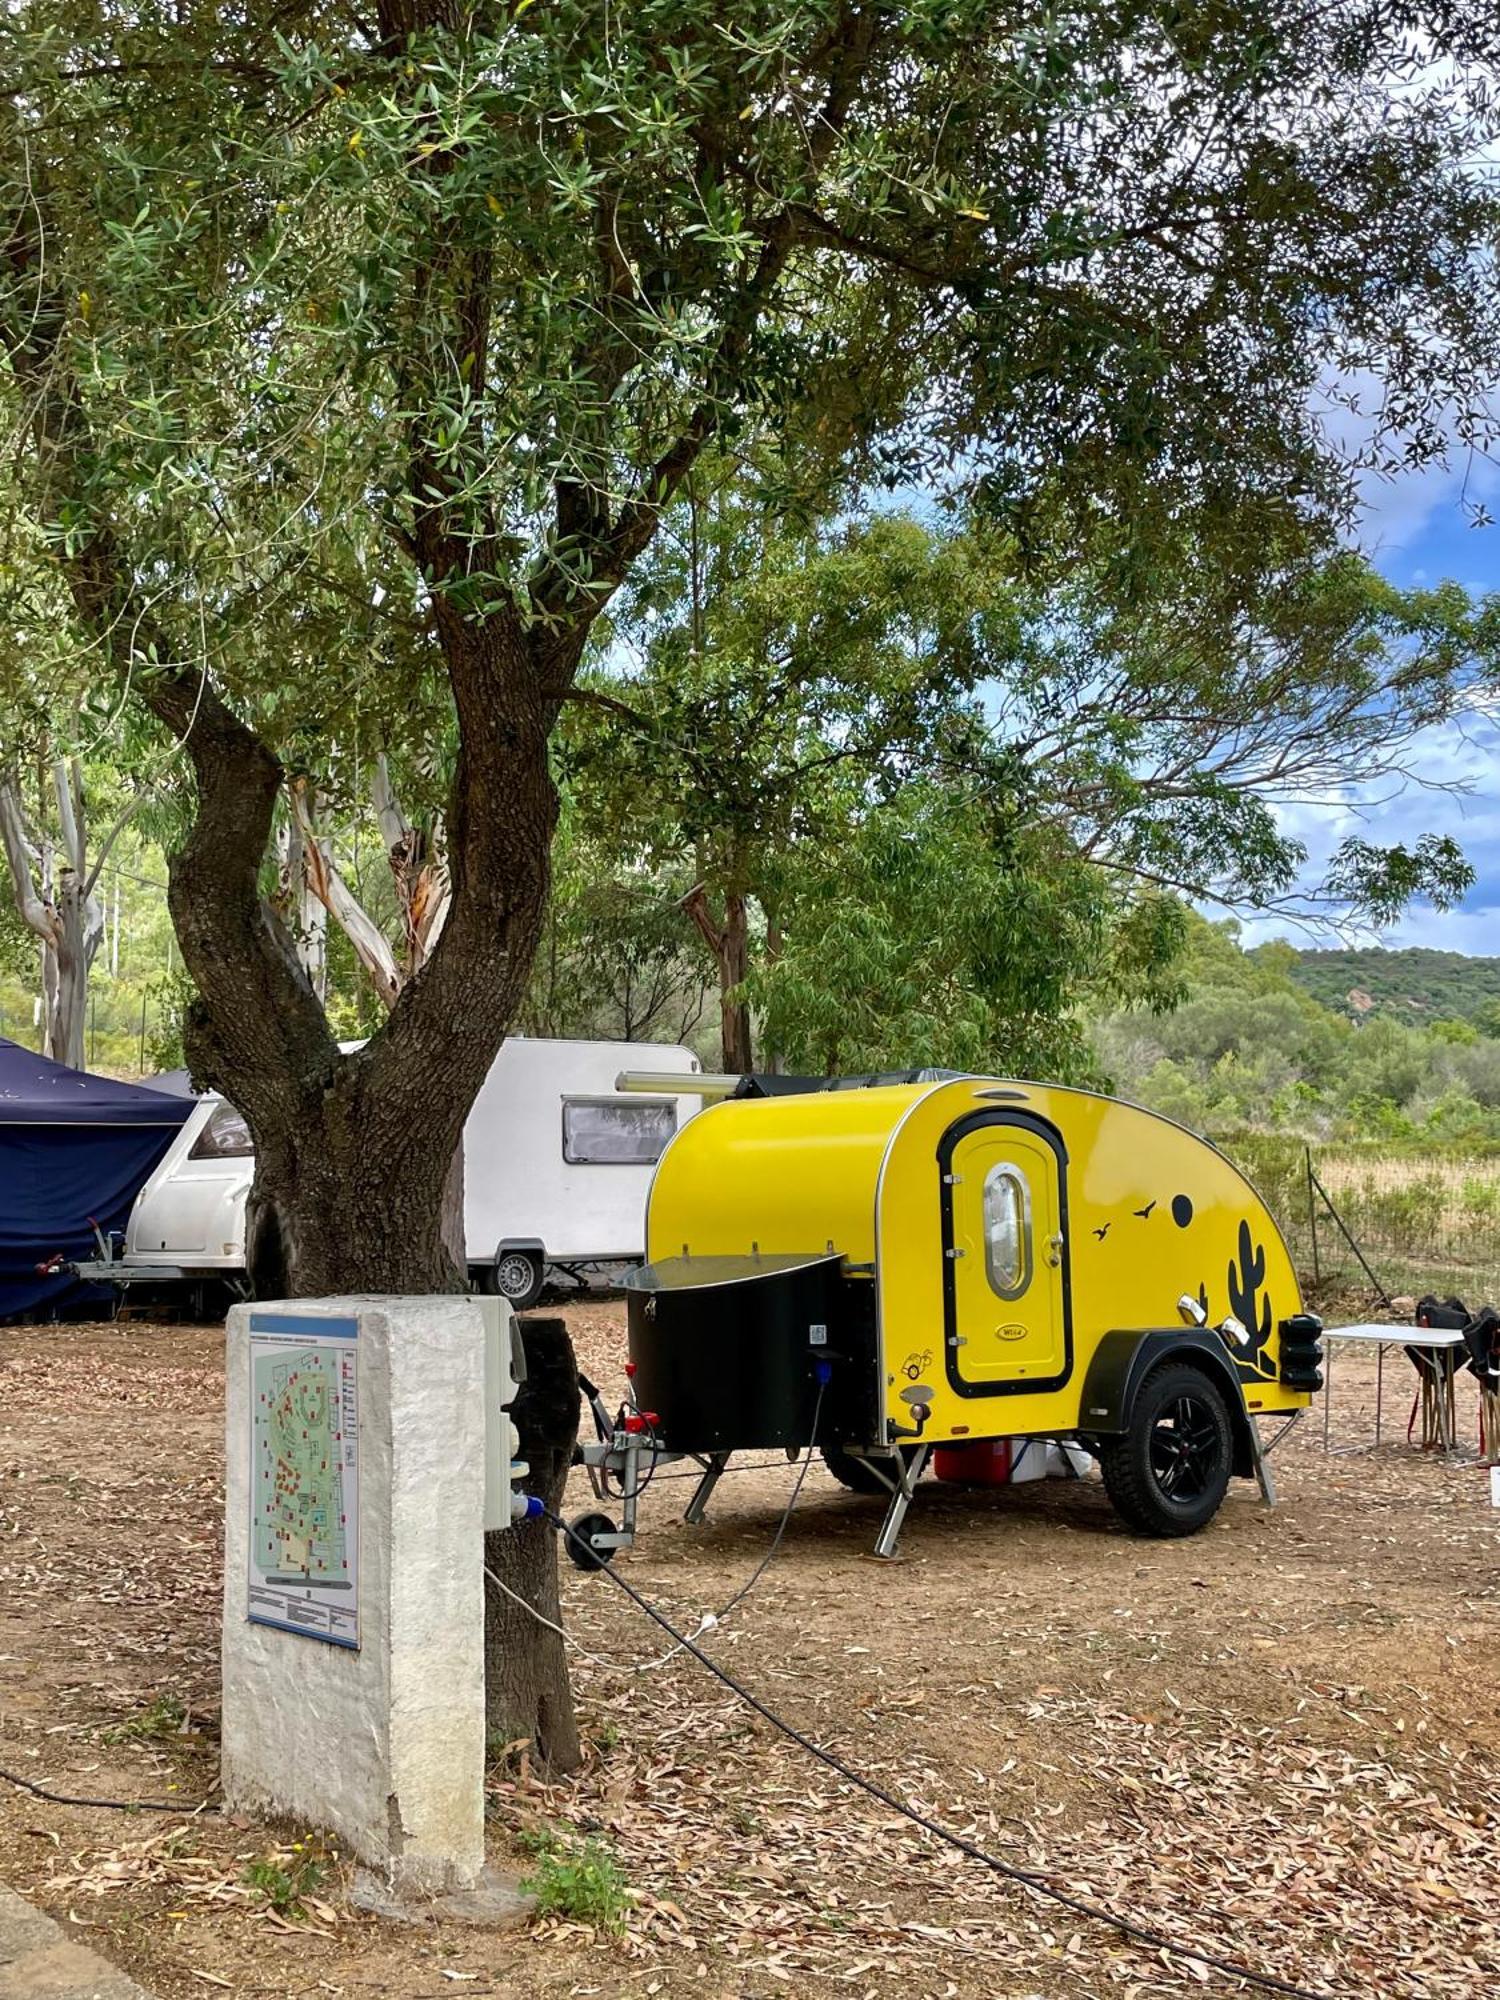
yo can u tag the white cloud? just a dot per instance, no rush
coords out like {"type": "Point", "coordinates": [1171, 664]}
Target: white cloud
{"type": "Point", "coordinates": [1475, 931]}
{"type": "Point", "coordinates": [1399, 511]}
{"type": "Point", "coordinates": [1467, 754]}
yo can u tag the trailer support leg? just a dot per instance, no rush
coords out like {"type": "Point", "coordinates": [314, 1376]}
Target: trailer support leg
{"type": "Point", "coordinates": [908, 1472]}
{"type": "Point", "coordinates": [1260, 1453]}
{"type": "Point", "coordinates": [713, 1471]}
{"type": "Point", "coordinates": [1264, 1478]}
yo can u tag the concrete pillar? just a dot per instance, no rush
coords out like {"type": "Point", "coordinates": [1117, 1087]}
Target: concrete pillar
{"type": "Point", "coordinates": [354, 1646]}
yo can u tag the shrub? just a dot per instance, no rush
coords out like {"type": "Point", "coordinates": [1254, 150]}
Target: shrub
{"type": "Point", "coordinates": [582, 1880]}
{"type": "Point", "coordinates": [285, 1877]}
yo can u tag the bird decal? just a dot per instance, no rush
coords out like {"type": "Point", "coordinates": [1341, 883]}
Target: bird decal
{"type": "Point", "coordinates": [1102, 1233]}
{"type": "Point", "coordinates": [1144, 1212]}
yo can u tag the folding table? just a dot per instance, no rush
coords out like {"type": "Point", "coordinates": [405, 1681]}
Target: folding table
{"type": "Point", "coordinates": [1429, 1339]}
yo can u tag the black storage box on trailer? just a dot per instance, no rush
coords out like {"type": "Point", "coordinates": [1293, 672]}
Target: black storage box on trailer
{"type": "Point", "coordinates": [726, 1351]}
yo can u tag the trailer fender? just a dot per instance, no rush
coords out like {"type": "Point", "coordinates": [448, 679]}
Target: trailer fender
{"type": "Point", "coordinates": [533, 1244]}
{"type": "Point", "coordinates": [1126, 1356]}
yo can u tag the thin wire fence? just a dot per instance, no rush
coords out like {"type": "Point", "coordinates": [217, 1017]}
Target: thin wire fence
{"type": "Point", "coordinates": [1415, 1222]}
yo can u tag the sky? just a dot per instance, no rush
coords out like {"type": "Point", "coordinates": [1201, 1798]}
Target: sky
{"type": "Point", "coordinates": [1416, 530]}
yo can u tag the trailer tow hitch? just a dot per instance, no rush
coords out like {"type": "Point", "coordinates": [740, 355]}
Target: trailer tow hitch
{"type": "Point", "coordinates": [621, 1464]}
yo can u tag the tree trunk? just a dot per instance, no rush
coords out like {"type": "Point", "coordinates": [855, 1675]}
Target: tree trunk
{"type": "Point", "coordinates": [356, 1153]}
{"type": "Point", "coordinates": [454, 1239]}
{"type": "Point", "coordinates": [51, 989]}
{"type": "Point", "coordinates": [331, 1211]}
{"type": "Point", "coordinates": [734, 969]}
{"type": "Point", "coordinates": [729, 942]}
{"type": "Point", "coordinates": [352, 1151]}
{"type": "Point", "coordinates": [526, 1667]}
{"type": "Point", "coordinates": [64, 915]}
{"type": "Point", "coordinates": [76, 943]}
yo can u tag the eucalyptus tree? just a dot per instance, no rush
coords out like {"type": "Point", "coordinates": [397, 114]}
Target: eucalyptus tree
{"type": "Point", "coordinates": [63, 806]}
{"type": "Point", "coordinates": [762, 686]}
{"type": "Point", "coordinates": [55, 880]}
{"type": "Point", "coordinates": [356, 357]}
{"type": "Point", "coordinates": [769, 694]}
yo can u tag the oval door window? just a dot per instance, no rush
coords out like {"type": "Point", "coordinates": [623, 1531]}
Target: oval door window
{"type": "Point", "coordinates": [1007, 1230]}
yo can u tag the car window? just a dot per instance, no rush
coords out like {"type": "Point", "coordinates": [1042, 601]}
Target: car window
{"type": "Point", "coordinates": [226, 1136]}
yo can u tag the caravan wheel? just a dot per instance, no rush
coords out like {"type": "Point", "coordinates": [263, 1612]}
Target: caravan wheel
{"type": "Point", "coordinates": [1169, 1473]}
{"type": "Point", "coordinates": [516, 1275]}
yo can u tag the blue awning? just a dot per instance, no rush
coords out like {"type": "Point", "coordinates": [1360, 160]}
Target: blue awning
{"type": "Point", "coordinates": [74, 1149]}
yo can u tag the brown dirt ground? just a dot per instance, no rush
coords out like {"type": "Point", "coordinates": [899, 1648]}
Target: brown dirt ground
{"type": "Point", "coordinates": [1276, 1740]}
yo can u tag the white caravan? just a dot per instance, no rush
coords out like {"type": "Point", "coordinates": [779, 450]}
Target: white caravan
{"type": "Point", "coordinates": [557, 1164]}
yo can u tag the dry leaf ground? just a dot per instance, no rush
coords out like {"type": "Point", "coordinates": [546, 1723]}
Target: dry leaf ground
{"type": "Point", "coordinates": [1277, 1740]}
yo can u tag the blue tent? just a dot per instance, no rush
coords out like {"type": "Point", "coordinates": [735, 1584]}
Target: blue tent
{"type": "Point", "coordinates": [74, 1149]}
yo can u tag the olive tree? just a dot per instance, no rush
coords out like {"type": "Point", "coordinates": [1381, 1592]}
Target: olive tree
{"type": "Point", "coordinates": [352, 358]}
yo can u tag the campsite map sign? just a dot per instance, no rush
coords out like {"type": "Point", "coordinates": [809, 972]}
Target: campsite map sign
{"type": "Point", "coordinates": [304, 1476]}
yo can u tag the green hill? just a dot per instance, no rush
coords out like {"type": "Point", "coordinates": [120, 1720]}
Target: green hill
{"type": "Point", "coordinates": [1413, 985]}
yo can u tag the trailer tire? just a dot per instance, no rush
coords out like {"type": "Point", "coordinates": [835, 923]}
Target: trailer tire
{"type": "Point", "coordinates": [516, 1275]}
{"type": "Point", "coordinates": [1167, 1476]}
{"type": "Point", "coordinates": [853, 1472]}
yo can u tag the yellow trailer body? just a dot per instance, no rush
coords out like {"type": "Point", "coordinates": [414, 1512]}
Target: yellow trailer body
{"type": "Point", "coordinates": [1008, 1228]}
{"type": "Point", "coordinates": [981, 1259]}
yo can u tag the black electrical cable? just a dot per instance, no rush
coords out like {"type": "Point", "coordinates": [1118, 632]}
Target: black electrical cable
{"type": "Point", "coordinates": [183, 1806]}
{"type": "Point", "coordinates": [786, 1513]}
{"type": "Point", "coordinates": [1038, 1884]}
{"type": "Point", "coordinates": [746, 1465]}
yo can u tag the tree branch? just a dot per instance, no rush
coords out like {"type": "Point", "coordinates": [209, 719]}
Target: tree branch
{"type": "Point", "coordinates": [109, 840]}
{"type": "Point", "coordinates": [333, 892]}
{"type": "Point", "coordinates": [21, 856]}
{"type": "Point", "coordinates": [695, 903]}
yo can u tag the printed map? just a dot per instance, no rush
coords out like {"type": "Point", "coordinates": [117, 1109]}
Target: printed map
{"type": "Point", "coordinates": [300, 1524]}
{"type": "Point", "coordinates": [304, 1424]}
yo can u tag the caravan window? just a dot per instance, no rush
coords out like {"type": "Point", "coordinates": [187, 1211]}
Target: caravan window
{"type": "Point", "coordinates": [616, 1131]}
{"type": "Point", "coordinates": [1007, 1230]}
{"type": "Point", "coordinates": [226, 1136]}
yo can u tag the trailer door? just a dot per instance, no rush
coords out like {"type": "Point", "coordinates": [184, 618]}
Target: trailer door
{"type": "Point", "coordinates": [1005, 1249]}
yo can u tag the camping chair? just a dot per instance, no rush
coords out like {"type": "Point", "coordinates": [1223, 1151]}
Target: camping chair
{"type": "Point", "coordinates": [1437, 1371]}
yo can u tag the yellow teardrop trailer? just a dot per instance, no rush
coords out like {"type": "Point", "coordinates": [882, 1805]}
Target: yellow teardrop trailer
{"type": "Point", "coordinates": [884, 1271]}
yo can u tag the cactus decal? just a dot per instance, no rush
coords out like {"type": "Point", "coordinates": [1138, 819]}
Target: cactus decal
{"type": "Point", "coordinates": [1252, 1308]}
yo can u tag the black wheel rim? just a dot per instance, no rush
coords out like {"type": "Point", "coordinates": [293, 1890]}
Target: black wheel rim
{"type": "Point", "coordinates": [1185, 1450]}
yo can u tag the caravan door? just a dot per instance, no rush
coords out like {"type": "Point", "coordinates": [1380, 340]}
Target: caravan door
{"type": "Point", "coordinates": [1005, 1255]}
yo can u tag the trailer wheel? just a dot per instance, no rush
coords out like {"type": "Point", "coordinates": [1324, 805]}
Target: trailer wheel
{"type": "Point", "coordinates": [584, 1551]}
{"type": "Point", "coordinates": [1169, 1473]}
{"type": "Point", "coordinates": [516, 1275]}
{"type": "Point", "coordinates": [854, 1472]}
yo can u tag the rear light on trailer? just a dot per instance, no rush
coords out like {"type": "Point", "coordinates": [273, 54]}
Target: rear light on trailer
{"type": "Point", "coordinates": [1302, 1352]}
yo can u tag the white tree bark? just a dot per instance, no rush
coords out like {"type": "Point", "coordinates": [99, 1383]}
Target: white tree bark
{"type": "Point", "coordinates": [423, 887]}
{"type": "Point", "coordinates": [308, 916]}
{"type": "Point", "coordinates": [329, 887]}
{"type": "Point", "coordinates": [55, 892]}
{"type": "Point", "coordinates": [82, 917]}
{"type": "Point", "coordinates": [423, 893]}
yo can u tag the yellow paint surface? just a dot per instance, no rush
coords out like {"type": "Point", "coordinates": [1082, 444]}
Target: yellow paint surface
{"type": "Point", "coordinates": [1139, 1213]}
